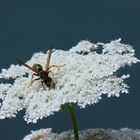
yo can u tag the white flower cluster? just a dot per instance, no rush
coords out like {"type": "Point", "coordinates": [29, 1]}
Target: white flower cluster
{"type": "Point", "coordinates": [42, 134]}
{"type": "Point", "coordinates": [82, 80]}
{"type": "Point", "coordinates": [98, 133]}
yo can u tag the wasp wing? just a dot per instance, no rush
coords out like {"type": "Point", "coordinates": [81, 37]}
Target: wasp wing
{"type": "Point", "coordinates": [48, 59]}
{"type": "Point", "coordinates": [29, 67]}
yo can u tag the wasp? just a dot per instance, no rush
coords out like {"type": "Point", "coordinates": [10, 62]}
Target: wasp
{"type": "Point", "coordinates": [42, 74]}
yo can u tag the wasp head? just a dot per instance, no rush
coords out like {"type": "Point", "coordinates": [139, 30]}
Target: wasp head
{"type": "Point", "coordinates": [37, 67]}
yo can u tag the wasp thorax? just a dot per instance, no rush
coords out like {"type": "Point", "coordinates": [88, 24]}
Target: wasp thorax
{"type": "Point", "coordinates": [37, 67]}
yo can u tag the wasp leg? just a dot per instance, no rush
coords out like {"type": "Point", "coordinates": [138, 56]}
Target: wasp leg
{"type": "Point", "coordinates": [52, 84]}
{"type": "Point", "coordinates": [43, 85]}
{"type": "Point", "coordinates": [55, 66]}
{"type": "Point", "coordinates": [50, 72]}
{"type": "Point", "coordinates": [34, 74]}
{"type": "Point", "coordinates": [49, 84]}
{"type": "Point", "coordinates": [33, 81]}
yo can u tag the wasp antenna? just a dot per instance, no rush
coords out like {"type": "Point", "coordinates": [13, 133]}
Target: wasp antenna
{"type": "Point", "coordinates": [19, 61]}
{"type": "Point", "coordinates": [26, 65]}
{"type": "Point", "coordinates": [50, 46]}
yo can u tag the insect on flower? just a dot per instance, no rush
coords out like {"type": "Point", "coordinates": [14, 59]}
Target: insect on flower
{"type": "Point", "coordinates": [43, 74]}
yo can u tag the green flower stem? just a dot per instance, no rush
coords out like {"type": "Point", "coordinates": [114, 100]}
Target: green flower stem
{"type": "Point", "coordinates": [73, 118]}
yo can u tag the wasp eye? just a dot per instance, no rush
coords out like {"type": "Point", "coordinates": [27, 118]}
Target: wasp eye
{"type": "Point", "coordinates": [39, 69]}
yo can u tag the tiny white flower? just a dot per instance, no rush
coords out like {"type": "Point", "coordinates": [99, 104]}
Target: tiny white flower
{"type": "Point", "coordinates": [84, 78]}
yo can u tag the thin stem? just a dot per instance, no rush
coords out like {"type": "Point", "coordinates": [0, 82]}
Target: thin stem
{"type": "Point", "coordinates": [73, 118]}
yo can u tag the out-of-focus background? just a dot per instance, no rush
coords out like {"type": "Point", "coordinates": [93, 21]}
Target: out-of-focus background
{"type": "Point", "coordinates": [27, 27]}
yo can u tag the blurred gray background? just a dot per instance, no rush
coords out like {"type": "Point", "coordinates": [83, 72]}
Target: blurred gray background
{"type": "Point", "coordinates": [29, 26]}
